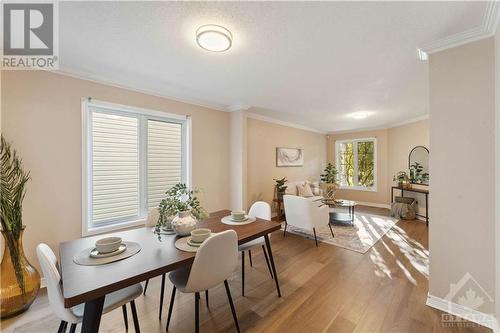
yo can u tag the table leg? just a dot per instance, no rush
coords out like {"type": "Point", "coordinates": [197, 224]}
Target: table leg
{"type": "Point", "coordinates": [92, 315]}
{"type": "Point", "coordinates": [427, 209]}
{"type": "Point", "coordinates": [392, 194]}
{"type": "Point", "coordinates": [271, 259]}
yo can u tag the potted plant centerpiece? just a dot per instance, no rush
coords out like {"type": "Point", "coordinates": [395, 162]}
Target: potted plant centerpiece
{"type": "Point", "coordinates": [280, 187]}
{"type": "Point", "coordinates": [180, 210]}
{"type": "Point", "coordinates": [329, 182]}
{"type": "Point", "coordinates": [20, 282]}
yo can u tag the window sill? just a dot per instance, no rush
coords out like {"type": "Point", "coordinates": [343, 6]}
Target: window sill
{"type": "Point", "coordinates": [358, 188]}
{"type": "Point", "coordinates": [113, 227]}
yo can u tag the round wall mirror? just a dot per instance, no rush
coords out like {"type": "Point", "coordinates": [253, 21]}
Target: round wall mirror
{"type": "Point", "coordinates": [418, 163]}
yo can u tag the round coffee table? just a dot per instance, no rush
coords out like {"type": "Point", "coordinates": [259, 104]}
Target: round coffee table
{"type": "Point", "coordinates": [341, 218]}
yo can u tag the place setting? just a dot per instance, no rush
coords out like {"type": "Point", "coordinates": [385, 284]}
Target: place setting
{"type": "Point", "coordinates": [106, 250]}
{"type": "Point", "coordinates": [238, 217]}
{"type": "Point", "coordinates": [193, 242]}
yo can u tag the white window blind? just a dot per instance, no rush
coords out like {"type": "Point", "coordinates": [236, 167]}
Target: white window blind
{"type": "Point", "coordinates": [164, 159]}
{"type": "Point", "coordinates": [115, 169]}
{"type": "Point", "coordinates": [132, 158]}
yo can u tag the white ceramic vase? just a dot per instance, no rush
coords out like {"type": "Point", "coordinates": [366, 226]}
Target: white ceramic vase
{"type": "Point", "coordinates": [184, 223]}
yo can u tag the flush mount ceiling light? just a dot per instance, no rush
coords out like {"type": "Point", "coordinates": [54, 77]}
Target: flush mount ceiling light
{"type": "Point", "coordinates": [214, 38]}
{"type": "Point", "coordinates": [360, 114]}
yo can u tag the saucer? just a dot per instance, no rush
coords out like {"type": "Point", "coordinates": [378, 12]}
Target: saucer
{"type": "Point", "coordinates": [95, 254]}
{"type": "Point", "coordinates": [245, 218]}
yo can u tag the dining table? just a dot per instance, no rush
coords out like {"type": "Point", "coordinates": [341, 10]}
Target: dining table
{"type": "Point", "coordinates": [91, 284]}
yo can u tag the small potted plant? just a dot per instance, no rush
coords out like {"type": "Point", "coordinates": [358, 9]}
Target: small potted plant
{"type": "Point", "coordinates": [329, 181]}
{"type": "Point", "coordinates": [180, 210]}
{"type": "Point", "coordinates": [280, 187]}
{"type": "Point", "coordinates": [401, 177]}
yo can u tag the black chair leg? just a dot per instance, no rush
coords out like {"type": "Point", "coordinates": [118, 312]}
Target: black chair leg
{"type": "Point", "coordinates": [232, 305]}
{"type": "Point", "coordinates": [72, 328]}
{"type": "Point", "coordinates": [333, 236]}
{"type": "Point", "coordinates": [171, 306]}
{"type": "Point", "coordinates": [250, 257]}
{"type": "Point", "coordinates": [62, 327]}
{"type": "Point", "coordinates": [315, 239]}
{"type": "Point", "coordinates": [206, 296]}
{"type": "Point", "coordinates": [284, 230]}
{"type": "Point", "coordinates": [134, 316]}
{"type": "Point", "coordinates": [146, 287]}
{"type": "Point", "coordinates": [125, 319]}
{"type": "Point", "coordinates": [197, 312]}
{"type": "Point", "coordinates": [242, 273]}
{"type": "Point", "coordinates": [162, 292]}
{"type": "Point", "coordinates": [267, 261]}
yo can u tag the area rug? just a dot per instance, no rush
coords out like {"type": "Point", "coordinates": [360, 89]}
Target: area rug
{"type": "Point", "coordinates": [368, 229]}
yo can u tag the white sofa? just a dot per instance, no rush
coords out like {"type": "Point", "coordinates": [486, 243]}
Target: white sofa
{"type": "Point", "coordinates": [306, 213]}
{"type": "Point", "coordinates": [292, 188]}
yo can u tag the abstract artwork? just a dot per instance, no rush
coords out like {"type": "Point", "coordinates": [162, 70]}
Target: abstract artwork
{"type": "Point", "coordinates": [289, 157]}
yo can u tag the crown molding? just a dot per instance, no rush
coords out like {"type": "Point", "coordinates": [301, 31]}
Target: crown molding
{"type": "Point", "coordinates": [238, 107]}
{"type": "Point", "coordinates": [282, 123]}
{"type": "Point", "coordinates": [101, 80]}
{"type": "Point", "coordinates": [487, 29]}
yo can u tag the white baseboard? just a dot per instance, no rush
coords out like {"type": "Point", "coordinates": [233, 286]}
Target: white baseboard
{"type": "Point", "coordinates": [373, 204]}
{"type": "Point", "coordinates": [486, 320]}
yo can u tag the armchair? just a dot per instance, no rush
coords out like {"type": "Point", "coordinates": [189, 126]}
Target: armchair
{"type": "Point", "coordinates": [306, 213]}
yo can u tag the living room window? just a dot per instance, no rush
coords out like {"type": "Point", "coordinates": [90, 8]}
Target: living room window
{"type": "Point", "coordinates": [356, 162]}
{"type": "Point", "coordinates": [131, 157]}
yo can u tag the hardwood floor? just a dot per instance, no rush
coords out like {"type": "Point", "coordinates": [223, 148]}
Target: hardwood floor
{"type": "Point", "coordinates": [325, 289]}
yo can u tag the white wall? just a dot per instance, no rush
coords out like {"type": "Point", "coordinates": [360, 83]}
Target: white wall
{"type": "Point", "coordinates": [462, 167]}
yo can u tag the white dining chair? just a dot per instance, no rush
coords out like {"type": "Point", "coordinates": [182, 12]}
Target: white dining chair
{"type": "Point", "coordinates": [74, 315]}
{"type": "Point", "coordinates": [305, 213]}
{"type": "Point", "coordinates": [261, 210]}
{"type": "Point", "coordinates": [214, 262]}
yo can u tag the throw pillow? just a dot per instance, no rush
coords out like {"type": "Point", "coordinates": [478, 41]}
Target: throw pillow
{"type": "Point", "coordinates": [304, 190]}
{"type": "Point", "coordinates": [291, 189]}
{"type": "Point", "coordinates": [315, 188]}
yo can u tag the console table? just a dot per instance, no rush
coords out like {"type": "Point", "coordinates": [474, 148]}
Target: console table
{"type": "Point", "coordinates": [416, 190]}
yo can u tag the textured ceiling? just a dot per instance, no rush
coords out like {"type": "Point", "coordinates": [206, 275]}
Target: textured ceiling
{"type": "Point", "coordinates": [302, 62]}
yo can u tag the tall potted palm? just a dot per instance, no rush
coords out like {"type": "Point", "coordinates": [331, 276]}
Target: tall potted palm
{"type": "Point", "coordinates": [329, 182]}
{"type": "Point", "coordinates": [20, 281]}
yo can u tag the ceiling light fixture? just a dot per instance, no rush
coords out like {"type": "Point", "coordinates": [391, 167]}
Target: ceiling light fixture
{"type": "Point", "coordinates": [360, 114]}
{"type": "Point", "coordinates": [214, 38]}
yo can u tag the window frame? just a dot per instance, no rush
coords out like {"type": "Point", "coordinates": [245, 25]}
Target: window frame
{"type": "Point", "coordinates": [143, 115]}
{"type": "Point", "coordinates": [355, 142]}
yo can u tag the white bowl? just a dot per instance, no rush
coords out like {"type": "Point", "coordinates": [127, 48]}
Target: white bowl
{"type": "Point", "coordinates": [199, 235]}
{"type": "Point", "coordinates": [108, 244]}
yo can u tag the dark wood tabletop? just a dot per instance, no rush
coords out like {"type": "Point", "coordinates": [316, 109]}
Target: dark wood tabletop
{"type": "Point", "coordinates": [84, 283]}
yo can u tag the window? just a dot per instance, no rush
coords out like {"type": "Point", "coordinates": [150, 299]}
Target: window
{"type": "Point", "coordinates": [132, 156]}
{"type": "Point", "coordinates": [357, 163]}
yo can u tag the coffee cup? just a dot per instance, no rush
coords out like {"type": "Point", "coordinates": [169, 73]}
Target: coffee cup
{"type": "Point", "coordinates": [200, 235]}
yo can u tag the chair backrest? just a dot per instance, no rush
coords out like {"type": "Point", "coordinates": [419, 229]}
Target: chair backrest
{"type": "Point", "coordinates": [261, 210]}
{"type": "Point", "coordinates": [215, 261]}
{"type": "Point", "coordinates": [153, 216]}
{"type": "Point", "coordinates": [305, 213]}
{"type": "Point", "coordinates": [48, 262]}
